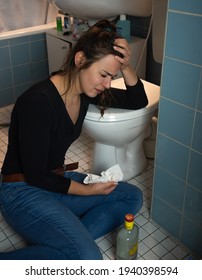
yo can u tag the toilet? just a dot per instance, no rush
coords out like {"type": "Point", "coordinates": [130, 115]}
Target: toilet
{"type": "Point", "coordinates": [119, 134]}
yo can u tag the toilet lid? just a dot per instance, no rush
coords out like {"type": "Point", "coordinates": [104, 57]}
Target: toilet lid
{"type": "Point", "coordinates": [111, 114]}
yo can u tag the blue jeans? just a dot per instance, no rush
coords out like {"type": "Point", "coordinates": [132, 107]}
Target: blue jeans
{"type": "Point", "coordinates": [60, 226]}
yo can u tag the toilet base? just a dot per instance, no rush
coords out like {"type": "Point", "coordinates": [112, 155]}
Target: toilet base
{"type": "Point", "coordinates": [131, 159]}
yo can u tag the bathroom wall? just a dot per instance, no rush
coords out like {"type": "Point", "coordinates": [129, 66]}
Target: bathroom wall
{"type": "Point", "coordinates": [23, 63]}
{"type": "Point", "coordinates": [177, 195]}
{"type": "Point", "coordinates": [139, 28]}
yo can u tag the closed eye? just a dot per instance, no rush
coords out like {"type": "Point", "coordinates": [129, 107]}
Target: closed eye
{"type": "Point", "coordinates": [113, 77]}
{"type": "Point", "coordinates": [108, 74]}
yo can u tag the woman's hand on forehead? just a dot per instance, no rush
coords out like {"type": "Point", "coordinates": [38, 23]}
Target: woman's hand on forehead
{"type": "Point", "coordinates": [121, 45]}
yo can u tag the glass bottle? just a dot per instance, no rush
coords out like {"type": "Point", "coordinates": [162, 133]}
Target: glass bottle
{"type": "Point", "coordinates": [127, 240]}
{"type": "Point", "coordinates": [59, 24]}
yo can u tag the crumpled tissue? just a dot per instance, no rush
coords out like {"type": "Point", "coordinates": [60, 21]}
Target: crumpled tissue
{"type": "Point", "coordinates": [114, 173]}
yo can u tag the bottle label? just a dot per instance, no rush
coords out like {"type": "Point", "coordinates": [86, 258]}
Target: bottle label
{"type": "Point", "coordinates": [66, 23]}
{"type": "Point", "coordinates": [133, 250]}
{"type": "Point", "coordinates": [119, 31]}
{"type": "Point", "coordinates": [129, 225]}
{"type": "Point", "coordinates": [59, 24]}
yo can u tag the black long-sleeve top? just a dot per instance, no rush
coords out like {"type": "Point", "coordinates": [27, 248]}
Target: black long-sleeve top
{"type": "Point", "coordinates": [41, 131]}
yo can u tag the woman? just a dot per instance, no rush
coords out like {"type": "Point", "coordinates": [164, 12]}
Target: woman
{"type": "Point", "coordinates": [53, 210]}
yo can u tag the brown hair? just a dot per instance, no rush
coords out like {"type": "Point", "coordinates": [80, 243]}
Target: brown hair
{"type": "Point", "coordinates": [95, 43]}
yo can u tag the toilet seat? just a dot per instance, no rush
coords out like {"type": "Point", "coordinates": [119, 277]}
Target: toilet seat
{"type": "Point", "coordinates": [111, 114]}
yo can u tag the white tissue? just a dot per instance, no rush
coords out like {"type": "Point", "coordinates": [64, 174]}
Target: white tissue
{"type": "Point", "coordinates": [114, 173]}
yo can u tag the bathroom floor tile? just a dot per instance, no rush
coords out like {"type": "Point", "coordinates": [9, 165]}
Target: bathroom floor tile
{"type": "Point", "coordinates": [150, 255]}
{"type": "Point", "coordinates": [150, 241]}
{"type": "Point", "coordinates": [142, 234]}
{"type": "Point", "coordinates": [158, 235]}
{"type": "Point", "coordinates": [112, 237]}
{"type": "Point", "coordinates": [168, 244]}
{"type": "Point", "coordinates": [159, 250]}
{"type": "Point", "coordinates": [142, 248]}
{"type": "Point", "coordinates": [154, 242]}
{"type": "Point", "coordinates": [2, 236]}
{"type": "Point", "coordinates": [104, 244]}
{"type": "Point", "coordinates": [179, 253]}
{"type": "Point", "coordinates": [140, 220]}
{"type": "Point", "coordinates": [149, 227]}
{"type": "Point", "coordinates": [169, 256]}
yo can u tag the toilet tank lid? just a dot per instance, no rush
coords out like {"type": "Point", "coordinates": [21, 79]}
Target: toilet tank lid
{"type": "Point", "coordinates": [111, 114]}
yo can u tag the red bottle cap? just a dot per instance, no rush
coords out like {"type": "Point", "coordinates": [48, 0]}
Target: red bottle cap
{"type": "Point", "coordinates": [129, 217]}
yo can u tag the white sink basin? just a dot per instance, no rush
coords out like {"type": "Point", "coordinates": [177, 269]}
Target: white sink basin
{"type": "Point", "coordinates": [99, 9]}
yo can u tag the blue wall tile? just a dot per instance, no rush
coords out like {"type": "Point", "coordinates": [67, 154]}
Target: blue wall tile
{"type": "Point", "coordinates": [23, 62]}
{"type": "Point", "coordinates": [19, 40]}
{"type": "Point", "coordinates": [172, 156]}
{"type": "Point", "coordinates": [20, 54]}
{"type": "Point", "coordinates": [182, 85]}
{"type": "Point", "coordinates": [191, 236]}
{"type": "Point", "coordinates": [191, 6]}
{"type": "Point", "coordinates": [195, 170]}
{"type": "Point", "coordinates": [193, 205]}
{"type": "Point", "coordinates": [166, 216]}
{"type": "Point", "coordinates": [6, 97]}
{"type": "Point", "coordinates": [5, 57]}
{"type": "Point", "coordinates": [4, 43]}
{"type": "Point", "coordinates": [37, 37]}
{"type": "Point", "coordinates": [184, 40]}
{"type": "Point", "coordinates": [166, 185]}
{"type": "Point", "coordinates": [176, 121]}
{"type": "Point", "coordinates": [178, 155]}
{"type": "Point", "coordinates": [5, 78]}
{"type": "Point", "coordinates": [38, 50]}
{"type": "Point", "coordinates": [197, 139]}
{"type": "Point", "coordinates": [22, 74]}
{"type": "Point", "coordinates": [199, 105]}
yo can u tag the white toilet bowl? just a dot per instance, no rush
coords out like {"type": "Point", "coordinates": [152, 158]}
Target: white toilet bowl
{"type": "Point", "coordinates": [119, 134]}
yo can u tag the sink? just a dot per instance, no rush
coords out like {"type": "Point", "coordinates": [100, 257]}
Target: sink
{"type": "Point", "coordinates": [100, 9]}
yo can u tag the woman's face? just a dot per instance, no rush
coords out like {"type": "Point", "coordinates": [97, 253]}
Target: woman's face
{"type": "Point", "coordinates": [99, 75]}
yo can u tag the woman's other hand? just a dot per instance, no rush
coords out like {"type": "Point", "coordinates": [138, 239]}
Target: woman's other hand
{"type": "Point", "coordinates": [91, 189]}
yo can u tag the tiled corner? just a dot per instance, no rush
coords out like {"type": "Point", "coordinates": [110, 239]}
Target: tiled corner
{"type": "Point", "coordinates": [23, 61]}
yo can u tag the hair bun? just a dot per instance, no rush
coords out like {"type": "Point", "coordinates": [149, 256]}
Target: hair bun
{"type": "Point", "coordinates": [105, 26]}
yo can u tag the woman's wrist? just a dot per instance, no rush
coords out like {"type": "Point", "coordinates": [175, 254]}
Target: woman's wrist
{"type": "Point", "coordinates": [130, 76]}
{"type": "Point", "coordinates": [76, 188]}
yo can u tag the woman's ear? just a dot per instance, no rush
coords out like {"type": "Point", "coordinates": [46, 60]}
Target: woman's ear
{"type": "Point", "coordinates": [79, 59]}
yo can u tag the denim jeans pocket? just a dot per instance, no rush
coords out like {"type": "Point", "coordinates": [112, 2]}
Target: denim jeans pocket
{"type": "Point", "coordinates": [8, 195]}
